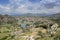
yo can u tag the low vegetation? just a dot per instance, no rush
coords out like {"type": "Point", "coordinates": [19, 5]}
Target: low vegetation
{"type": "Point", "coordinates": [25, 28]}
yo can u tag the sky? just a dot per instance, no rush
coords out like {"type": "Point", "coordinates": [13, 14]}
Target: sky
{"type": "Point", "coordinates": [29, 6]}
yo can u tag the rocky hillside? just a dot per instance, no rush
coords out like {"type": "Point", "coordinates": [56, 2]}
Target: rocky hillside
{"type": "Point", "coordinates": [55, 17]}
{"type": "Point", "coordinates": [28, 28]}
{"type": "Point", "coordinates": [7, 19]}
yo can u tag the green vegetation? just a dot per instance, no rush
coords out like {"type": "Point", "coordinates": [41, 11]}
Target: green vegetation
{"type": "Point", "coordinates": [39, 28]}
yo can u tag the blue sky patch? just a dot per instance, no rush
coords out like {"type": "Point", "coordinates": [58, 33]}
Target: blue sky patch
{"type": "Point", "coordinates": [4, 2]}
{"type": "Point", "coordinates": [34, 1]}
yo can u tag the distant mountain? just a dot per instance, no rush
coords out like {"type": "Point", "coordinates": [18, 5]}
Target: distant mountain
{"type": "Point", "coordinates": [31, 14]}
{"type": "Point", "coordinates": [57, 15]}
{"type": "Point", "coordinates": [55, 18]}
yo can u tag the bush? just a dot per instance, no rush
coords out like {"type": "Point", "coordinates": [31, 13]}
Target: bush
{"type": "Point", "coordinates": [44, 26]}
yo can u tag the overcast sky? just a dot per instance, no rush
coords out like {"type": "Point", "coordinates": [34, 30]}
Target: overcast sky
{"type": "Point", "coordinates": [29, 6]}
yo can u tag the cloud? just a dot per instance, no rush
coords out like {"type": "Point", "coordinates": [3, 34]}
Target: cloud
{"type": "Point", "coordinates": [50, 5]}
{"type": "Point", "coordinates": [4, 9]}
{"type": "Point", "coordinates": [31, 6]}
{"type": "Point", "coordinates": [34, 1]}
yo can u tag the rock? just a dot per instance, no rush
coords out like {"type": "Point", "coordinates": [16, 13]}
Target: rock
{"type": "Point", "coordinates": [54, 28]}
{"type": "Point", "coordinates": [30, 38]}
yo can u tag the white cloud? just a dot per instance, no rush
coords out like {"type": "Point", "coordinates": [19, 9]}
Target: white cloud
{"type": "Point", "coordinates": [25, 6]}
{"type": "Point", "coordinates": [4, 9]}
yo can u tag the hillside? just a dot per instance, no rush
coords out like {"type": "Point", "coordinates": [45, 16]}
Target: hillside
{"type": "Point", "coordinates": [55, 17]}
{"type": "Point", "coordinates": [7, 19]}
{"type": "Point", "coordinates": [28, 28]}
